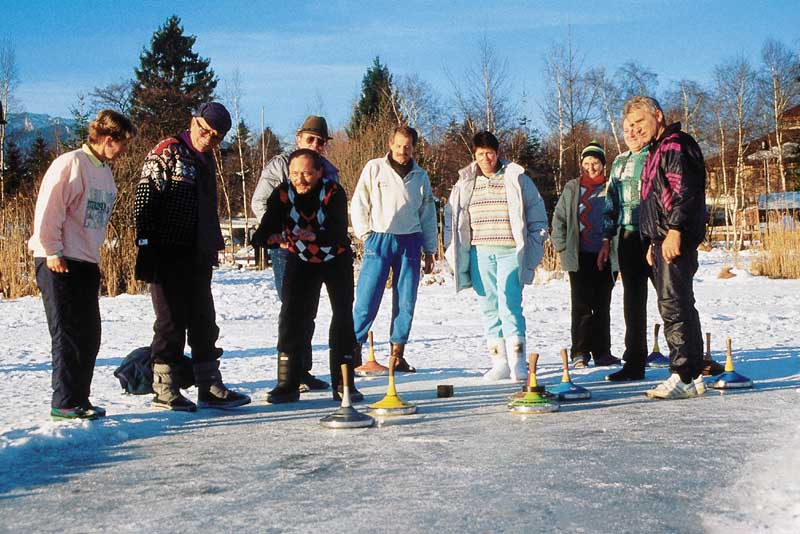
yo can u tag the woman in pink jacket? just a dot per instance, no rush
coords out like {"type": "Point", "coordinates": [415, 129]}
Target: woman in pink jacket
{"type": "Point", "coordinates": [72, 212]}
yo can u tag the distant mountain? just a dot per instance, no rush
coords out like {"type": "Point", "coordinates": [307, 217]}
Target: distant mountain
{"type": "Point", "coordinates": [24, 127]}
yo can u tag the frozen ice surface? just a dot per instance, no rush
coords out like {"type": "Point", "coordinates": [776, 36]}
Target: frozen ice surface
{"type": "Point", "coordinates": [617, 463]}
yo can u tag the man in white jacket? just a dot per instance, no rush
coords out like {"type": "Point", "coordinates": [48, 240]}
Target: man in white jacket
{"type": "Point", "coordinates": [393, 212]}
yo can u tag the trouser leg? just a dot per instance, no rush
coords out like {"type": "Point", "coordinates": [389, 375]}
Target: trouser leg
{"type": "Point", "coordinates": [635, 273]}
{"type": "Point", "coordinates": [405, 283]}
{"type": "Point", "coordinates": [371, 283]}
{"type": "Point", "coordinates": [73, 319]}
{"type": "Point", "coordinates": [483, 273]}
{"type": "Point", "coordinates": [509, 293]}
{"type": "Point", "coordinates": [202, 329]}
{"type": "Point", "coordinates": [603, 284]}
{"type": "Point", "coordinates": [581, 311]}
{"type": "Point", "coordinates": [676, 304]}
{"type": "Point", "coordinates": [338, 279]}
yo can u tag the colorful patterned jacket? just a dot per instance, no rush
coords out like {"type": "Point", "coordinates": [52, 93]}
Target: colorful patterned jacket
{"type": "Point", "coordinates": [673, 189]}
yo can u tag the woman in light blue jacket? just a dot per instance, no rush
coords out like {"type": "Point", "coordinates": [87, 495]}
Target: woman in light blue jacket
{"type": "Point", "coordinates": [495, 226]}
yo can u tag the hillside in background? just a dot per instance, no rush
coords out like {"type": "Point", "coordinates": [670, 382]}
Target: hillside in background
{"type": "Point", "coordinates": [24, 127]}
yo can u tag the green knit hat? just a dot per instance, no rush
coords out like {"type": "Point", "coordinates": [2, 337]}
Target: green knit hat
{"type": "Point", "coordinates": [594, 149]}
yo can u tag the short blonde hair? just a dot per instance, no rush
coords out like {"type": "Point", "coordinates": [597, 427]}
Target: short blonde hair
{"type": "Point", "coordinates": [113, 123]}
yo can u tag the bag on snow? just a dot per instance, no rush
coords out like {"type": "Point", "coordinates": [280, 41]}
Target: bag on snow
{"type": "Point", "coordinates": [135, 373]}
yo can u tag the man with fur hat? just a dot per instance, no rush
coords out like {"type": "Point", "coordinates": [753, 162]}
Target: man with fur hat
{"type": "Point", "coordinates": [179, 237]}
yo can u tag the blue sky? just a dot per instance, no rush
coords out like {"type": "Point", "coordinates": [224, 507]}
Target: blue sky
{"type": "Point", "coordinates": [296, 58]}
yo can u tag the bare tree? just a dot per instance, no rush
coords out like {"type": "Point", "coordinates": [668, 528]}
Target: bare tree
{"type": "Point", "coordinates": [114, 95]}
{"type": "Point", "coordinates": [736, 92]}
{"type": "Point", "coordinates": [608, 93]}
{"type": "Point", "coordinates": [634, 79]}
{"type": "Point", "coordinates": [483, 96]}
{"type": "Point", "coordinates": [686, 99]}
{"type": "Point", "coordinates": [570, 103]}
{"type": "Point", "coordinates": [9, 79]}
{"type": "Point", "coordinates": [234, 90]}
{"type": "Point", "coordinates": [780, 72]}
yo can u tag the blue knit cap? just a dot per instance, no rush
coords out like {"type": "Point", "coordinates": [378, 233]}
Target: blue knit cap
{"type": "Point", "coordinates": [215, 115]}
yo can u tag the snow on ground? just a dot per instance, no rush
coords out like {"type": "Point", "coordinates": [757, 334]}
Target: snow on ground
{"type": "Point", "coordinates": [762, 490]}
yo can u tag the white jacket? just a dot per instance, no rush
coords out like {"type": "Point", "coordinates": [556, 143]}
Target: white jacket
{"type": "Point", "coordinates": [528, 222]}
{"type": "Point", "coordinates": [385, 202]}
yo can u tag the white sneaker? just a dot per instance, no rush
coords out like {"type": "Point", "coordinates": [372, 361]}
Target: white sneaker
{"type": "Point", "coordinates": [515, 348]}
{"type": "Point", "coordinates": [699, 385]}
{"type": "Point", "coordinates": [499, 370]}
{"type": "Point", "coordinates": [674, 388]}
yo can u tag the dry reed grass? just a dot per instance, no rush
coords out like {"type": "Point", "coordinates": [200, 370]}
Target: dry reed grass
{"type": "Point", "coordinates": [779, 253]}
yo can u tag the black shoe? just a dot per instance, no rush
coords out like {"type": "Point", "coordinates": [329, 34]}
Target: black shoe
{"type": "Point", "coordinates": [283, 393]}
{"type": "Point", "coordinates": [309, 382]}
{"type": "Point", "coordinates": [605, 360]}
{"type": "Point", "coordinates": [99, 411]}
{"type": "Point", "coordinates": [355, 395]}
{"type": "Point", "coordinates": [626, 374]}
{"type": "Point", "coordinates": [177, 403]}
{"type": "Point", "coordinates": [222, 399]}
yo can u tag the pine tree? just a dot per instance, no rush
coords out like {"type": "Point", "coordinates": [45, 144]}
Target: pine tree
{"type": "Point", "coordinates": [171, 82]}
{"type": "Point", "coordinates": [376, 97]}
{"type": "Point", "coordinates": [37, 161]}
{"type": "Point", "coordinates": [15, 167]}
{"type": "Point", "coordinates": [80, 117]}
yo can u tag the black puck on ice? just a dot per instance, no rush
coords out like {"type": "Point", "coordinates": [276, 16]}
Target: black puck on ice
{"type": "Point", "coordinates": [444, 391]}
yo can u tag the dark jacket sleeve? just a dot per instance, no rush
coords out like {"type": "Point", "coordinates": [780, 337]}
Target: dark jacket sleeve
{"type": "Point", "coordinates": [272, 222]}
{"type": "Point", "coordinates": [685, 175]}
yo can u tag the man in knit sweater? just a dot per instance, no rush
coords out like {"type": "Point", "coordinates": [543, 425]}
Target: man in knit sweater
{"type": "Point", "coordinates": [393, 212]}
{"type": "Point", "coordinates": [623, 196]}
{"type": "Point", "coordinates": [312, 135]}
{"type": "Point", "coordinates": [178, 235]}
{"type": "Point", "coordinates": [308, 217]}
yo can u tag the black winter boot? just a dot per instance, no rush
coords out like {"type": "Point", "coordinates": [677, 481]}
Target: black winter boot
{"type": "Point", "coordinates": [628, 373]}
{"type": "Point", "coordinates": [336, 378]}
{"type": "Point", "coordinates": [287, 388]}
{"type": "Point", "coordinates": [309, 382]}
{"type": "Point", "coordinates": [168, 392]}
{"type": "Point", "coordinates": [211, 392]}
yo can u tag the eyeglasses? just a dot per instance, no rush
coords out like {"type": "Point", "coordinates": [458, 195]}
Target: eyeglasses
{"type": "Point", "coordinates": [302, 175]}
{"type": "Point", "coordinates": [314, 140]}
{"type": "Point", "coordinates": [211, 134]}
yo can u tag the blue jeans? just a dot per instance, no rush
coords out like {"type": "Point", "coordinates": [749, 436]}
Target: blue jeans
{"type": "Point", "coordinates": [495, 277]}
{"type": "Point", "coordinates": [278, 257]}
{"type": "Point", "coordinates": [381, 251]}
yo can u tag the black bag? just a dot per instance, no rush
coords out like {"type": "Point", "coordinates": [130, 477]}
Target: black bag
{"type": "Point", "coordinates": [135, 373]}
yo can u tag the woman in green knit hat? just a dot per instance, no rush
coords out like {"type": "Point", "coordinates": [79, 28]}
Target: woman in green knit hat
{"type": "Point", "coordinates": [578, 238]}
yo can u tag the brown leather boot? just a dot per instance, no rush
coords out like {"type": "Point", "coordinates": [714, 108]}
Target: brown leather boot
{"type": "Point", "coordinates": [401, 365]}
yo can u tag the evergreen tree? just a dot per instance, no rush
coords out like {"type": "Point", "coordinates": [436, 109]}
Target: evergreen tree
{"type": "Point", "coordinates": [37, 161]}
{"type": "Point", "coordinates": [272, 144]}
{"type": "Point", "coordinates": [376, 96]}
{"type": "Point", "coordinates": [80, 117]}
{"type": "Point", "coordinates": [15, 167]}
{"type": "Point", "coordinates": [171, 82]}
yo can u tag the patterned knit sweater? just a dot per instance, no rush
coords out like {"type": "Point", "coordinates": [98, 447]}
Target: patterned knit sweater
{"type": "Point", "coordinates": [488, 212]}
{"type": "Point", "coordinates": [590, 213]}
